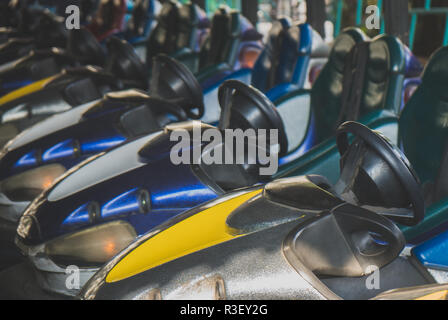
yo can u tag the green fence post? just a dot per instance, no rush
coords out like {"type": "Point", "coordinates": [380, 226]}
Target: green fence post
{"type": "Point", "coordinates": [445, 36]}
{"type": "Point", "coordinates": [358, 13]}
{"type": "Point", "coordinates": [337, 27]}
{"type": "Point", "coordinates": [412, 31]}
{"type": "Point", "coordinates": [380, 10]}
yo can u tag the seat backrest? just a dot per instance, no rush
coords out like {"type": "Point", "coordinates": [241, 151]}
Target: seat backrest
{"type": "Point", "coordinates": [381, 88]}
{"type": "Point", "coordinates": [141, 17]}
{"type": "Point", "coordinates": [189, 18]}
{"type": "Point", "coordinates": [385, 72]}
{"type": "Point", "coordinates": [264, 74]}
{"type": "Point", "coordinates": [286, 55]}
{"type": "Point", "coordinates": [163, 38]}
{"type": "Point", "coordinates": [177, 28]}
{"type": "Point", "coordinates": [326, 93]}
{"type": "Point", "coordinates": [225, 36]}
{"type": "Point", "coordinates": [423, 124]}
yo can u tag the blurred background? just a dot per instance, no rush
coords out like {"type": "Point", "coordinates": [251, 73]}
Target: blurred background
{"type": "Point", "coordinates": [422, 24]}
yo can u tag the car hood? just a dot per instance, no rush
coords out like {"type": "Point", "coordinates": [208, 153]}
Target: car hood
{"type": "Point", "coordinates": [253, 212]}
{"type": "Point", "coordinates": [103, 179]}
{"type": "Point", "coordinates": [48, 126]}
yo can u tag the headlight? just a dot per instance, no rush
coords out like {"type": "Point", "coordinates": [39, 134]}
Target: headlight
{"type": "Point", "coordinates": [28, 185]}
{"type": "Point", "coordinates": [93, 246]}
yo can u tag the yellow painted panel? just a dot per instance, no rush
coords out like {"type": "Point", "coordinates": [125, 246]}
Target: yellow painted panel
{"type": "Point", "coordinates": [31, 88]}
{"type": "Point", "coordinates": [202, 230]}
{"type": "Point", "coordinates": [439, 295]}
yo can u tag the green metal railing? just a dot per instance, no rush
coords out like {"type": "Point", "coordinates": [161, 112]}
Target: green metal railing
{"type": "Point", "coordinates": [211, 6]}
{"type": "Point", "coordinates": [427, 10]}
{"type": "Point", "coordinates": [415, 13]}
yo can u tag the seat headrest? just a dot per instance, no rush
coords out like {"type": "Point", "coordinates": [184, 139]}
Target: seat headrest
{"type": "Point", "coordinates": [83, 45]}
{"type": "Point", "coordinates": [168, 14]}
{"type": "Point", "coordinates": [343, 44]}
{"type": "Point", "coordinates": [386, 54]}
{"type": "Point", "coordinates": [264, 74]}
{"type": "Point", "coordinates": [163, 39]}
{"type": "Point", "coordinates": [297, 43]}
{"type": "Point", "coordinates": [220, 23]}
{"type": "Point", "coordinates": [384, 70]}
{"type": "Point", "coordinates": [224, 32]}
{"type": "Point", "coordinates": [141, 15]}
{"type": "Point", "coordinates": [189, 18]}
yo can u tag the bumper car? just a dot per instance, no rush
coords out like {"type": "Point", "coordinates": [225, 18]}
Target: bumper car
{"type": "Point", "coordinates": [72, 87]}
{"type": "Point", "coordinates": [294, 140]}
{"type": "Point", "coordinates": [124, 70]}
{"type": "Point", "coordinates": [145, 202]}
{"type": "Point", "coordinates": [109, 19]}
{"type": "Point", "coordinates": [145, 190]}
{"type": "Point", "coordinates": [82, 49]}
{"type": "Point", "coordinates": [294, 238]}
{"type": "Point", "coordinates": [94, 127]}
{"type": "Point", "coordinates": [274, 72]}
{"type": "Point", "coordinates": [169, 78]}
{"type": "Point", "coordinates": [291, 55]}
{"type": "Point", "coordinates": [420, 131]}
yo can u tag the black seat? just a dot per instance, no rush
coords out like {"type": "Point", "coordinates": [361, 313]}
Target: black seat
{"type": "Point", "coordinates": [224, 39]}
{"type": "Point", "coordinates": [268, 71]}
{"type": "Point", "coordinates": [341, 244]}
{"type": "Point", "coordinates": [423, 128]}
{"type": "Point", "coordinates": [378, 68]}
{"type": "Point", "coordinates": [140, 18]}
{"type": "Point", "coordinates": [176, 29]}
{"type": "Point", "coordinates": [189, 19]}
